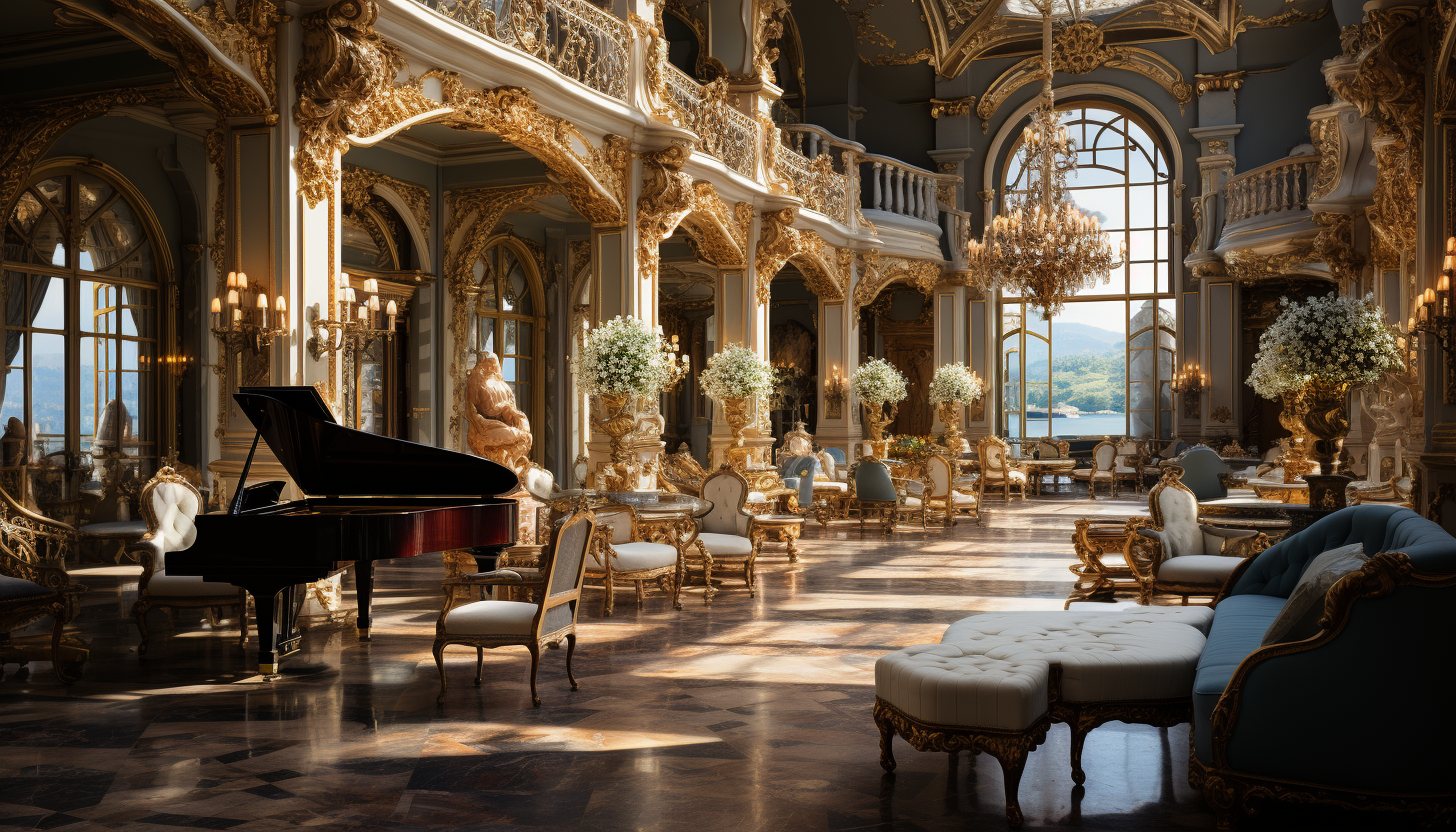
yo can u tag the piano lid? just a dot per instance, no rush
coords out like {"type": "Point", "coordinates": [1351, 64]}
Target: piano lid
{"type": "Point", "coordinates": [326, 459]}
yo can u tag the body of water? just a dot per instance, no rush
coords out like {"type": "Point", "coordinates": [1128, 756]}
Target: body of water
{"type": "Point", "coordinates": [1091, 424]}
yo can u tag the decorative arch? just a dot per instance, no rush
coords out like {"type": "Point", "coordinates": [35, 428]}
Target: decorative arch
{"type": "Point", "coordinates": [881, 272]}
{"type": "Point", "coordinates": [411, 201]}
{"type": "Point", "coordinates": [720, 236]}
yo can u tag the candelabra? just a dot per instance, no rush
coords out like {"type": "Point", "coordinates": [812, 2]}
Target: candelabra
{"type": "Point", "coordinates": [173, 365]}
{"type": "Point", "coordinates": [242, 327]}
{"type": "Point", "coordinates": [355, 329]}
{"type": "Point", "coordinates": [835, 389]}
{"type": "Point", "coordinates": [1434, 317]}
{"type": "Point", "coordinates": [1190, 381]}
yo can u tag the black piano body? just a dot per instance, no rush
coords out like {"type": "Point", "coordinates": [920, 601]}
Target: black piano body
{"type": "Point", "coordinates": [369, 498]}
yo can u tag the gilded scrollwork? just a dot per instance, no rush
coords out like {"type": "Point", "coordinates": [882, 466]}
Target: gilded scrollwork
{"type": "Point", "coordinates": [719, 235]}
{"type": "Point", "coordinates": [768, 27]}
{"type": "Point", "coordinates": [667, 196]}
{"type": "Point", "coordinates": [1248, 267]}
{"type": "Point", "coordinates": [654, 45]}
{"type": "Point", "coordinates": [357, 187]}
{"type": "Point", "coordinates": [778, 240]}
{"type": "Point", "coordinates": [1335, 245]}
{"type": "Point", "coordinates": [881, 271]}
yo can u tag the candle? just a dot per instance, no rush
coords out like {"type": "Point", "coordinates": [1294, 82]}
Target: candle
{"type": "Point", "coordinates": [1443, 285]}
{"type": "Point", "coordinates": [363, 312]}
{"type": "Point", "coordinates": [1448, 264]}
{"type": "Point", "coordinates": [281, 305]}
{"type": "Point", "coordinates": [373, 303]}
{"type": "Point", "coordinates": [232, 280]}
{"type": "Point", "coordinates": [371, 286]}
{"type": "Point", "coordinates": [343, 281]}
{"type": "Point", "coordinates": [237, 315]}
{"type": "Point", "coordinates": [393, 311]}
{"type": "Point", "coordinates": [1451, 245]}
{"type": "Point", "coordinates": [216, 311]}
{"type": "Point", "coordinates": [233, 298]}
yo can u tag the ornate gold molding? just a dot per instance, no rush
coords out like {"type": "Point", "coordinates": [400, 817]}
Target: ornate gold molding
{"type": "Point", "coordinates": [347, 94]}
{"type": "Point", "coordinates": [1324, 134]}
{"type": "Point", "coordinates": [768, 27]}
{"type": "Point", "coordinates": [667, 196]}
{"type": "Point", "coordinates": [357, 186]}
{"type": "Point", "coordinates": [1078, 49]}
{"type": "Point", "coordinates": [881, 271]}
{"type": "Point", "coordinates": [654, 46]}
{"type": "Point", "coordinates": [720, 236]}
{"type": "Point", "coordinates": [951, 107]}
{"type": "Point", "coordinates": [1335, 245]}
{"type": "Point", "coordinates": [778, 240]}
{"type": "Point", "coordinates": [1248, 267]}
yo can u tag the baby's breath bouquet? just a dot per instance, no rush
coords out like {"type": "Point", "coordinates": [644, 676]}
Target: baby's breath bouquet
{"type": "Point", "coordinates": [1336, 339]}
{"type": "Point", "coordinates": [624, 356]}
{"type": "Point", "coordinates": [955, 383]}
{"type": "Point", "coordinates": [878, 382]}
{"type": "Point", "coordinates": [737, 373]}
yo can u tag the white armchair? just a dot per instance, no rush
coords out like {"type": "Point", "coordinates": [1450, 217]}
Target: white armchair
{"type": "Point", "coordinates": [941, 495]}
{"type": "Point", "coordinates": [726, 536]}
{"type": "Point", "coordinates": [621, 556]}
{"type": "Point", "coordinates": [998, 469]}
{"type": "Point", "coordinates": [1104, 465]}
{"type": "Point", "coordinates": [169, 505]}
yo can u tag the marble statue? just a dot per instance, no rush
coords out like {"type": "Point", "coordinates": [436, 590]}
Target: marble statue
{"type": "Point", "coordinates": [498, 430]}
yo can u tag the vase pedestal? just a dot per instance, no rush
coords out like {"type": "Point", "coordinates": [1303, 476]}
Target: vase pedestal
{"type": "Point", "coordinates": [1326, 492]}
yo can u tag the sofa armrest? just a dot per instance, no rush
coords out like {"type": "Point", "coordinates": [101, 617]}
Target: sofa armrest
{"type": "Point", "coordinates": [1307, 711]}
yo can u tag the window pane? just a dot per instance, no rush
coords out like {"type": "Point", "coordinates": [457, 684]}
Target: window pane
{"type": "Point", "coordinates": [48, 392]}
{"type": "Point", "coordinates": [485, 335]}
{"type": "Point", "coordinates": [523, 338]}
{"type": "Point", "coordinates": [111, 237]}
{"type": "Point", "coordinates": [12, 398]}
{"type": "Point", "coordinates": [508, 339]}
{"type": "Point", "coordinates": [485, 284]}
{"type": "Point", "coordinates": [508, 369]}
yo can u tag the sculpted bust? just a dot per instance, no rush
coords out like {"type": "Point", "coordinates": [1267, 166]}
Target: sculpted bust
{"type": "Point", "coordinates": [498, 430]}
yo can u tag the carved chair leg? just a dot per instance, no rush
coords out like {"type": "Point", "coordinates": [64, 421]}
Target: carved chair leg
{"type": "Point", "coordinates": [139, 612]}
{"type": "Point", "coordinates": [641, 593]}
{"type": "Point", "coordinates": [1079, 738]}
{"type": "Point", "coordinates": [607, 598]}
{"type": "Point", "coordinates": [479, 663]}
{"type": "Point", "coordinates": [570, 649]}
{"type": "Point", "coordinates": [887, 737]}
{"type": "Point", "coordinates": [1012, 765]}
{"type": "Point", "coordinates": [679, 577]}
{"type": "Point", "coordinates": [440, 666]}
{"type": "Point", "coordinates": [708, 590]}
{"type": "Point", "coordinates": [535, 665]}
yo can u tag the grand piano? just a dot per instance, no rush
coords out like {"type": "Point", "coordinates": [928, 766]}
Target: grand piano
{"type": "Point", "coordinates": [368, 498]}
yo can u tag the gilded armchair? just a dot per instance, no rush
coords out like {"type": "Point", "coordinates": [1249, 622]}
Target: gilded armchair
{"type": "Point", "coordinates": [620, 555]}
{"type": "Point", "coordinates": [31, 588]}
{"type": "Point", "coordinates": [545, 622]}
{"type": "Point", "coordinates": [1104, 463]}
{"type": "Point", "coordinates": [999, 469]}
{"type": "Point", "coordinates": [727, 534]}
{"type": "Point", "coordinates": [875, 493]}
{"type": "Point", "coordinates": [169, 506]}
{"type": "Point", "coordinates": [942, 498]}
{"type": "Point", "coordinates": [1128, 464]}
{"type": "Point", "coordinates": [1175, 553]}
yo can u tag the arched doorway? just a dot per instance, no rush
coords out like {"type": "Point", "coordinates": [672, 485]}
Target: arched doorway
{"type": "Point", "coordinates": [898, 326]}
{"type": "Point", "coordinates": [793, 348]}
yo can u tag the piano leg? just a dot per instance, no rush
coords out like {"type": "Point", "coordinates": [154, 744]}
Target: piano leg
{"type": "Point", "coordinates": [364, 584]}
{"type": "Point", "coordinates": [276, 610]}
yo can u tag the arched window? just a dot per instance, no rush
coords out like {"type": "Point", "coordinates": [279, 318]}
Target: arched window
{"type": "Point", "coordinates": [81, 329]}
{"type": "Point", "coordinates": [510, 321]}
{"type": "Point", "coordinates": [376, 245]}
{"type": "Point", "coordinates": [1103, 365]}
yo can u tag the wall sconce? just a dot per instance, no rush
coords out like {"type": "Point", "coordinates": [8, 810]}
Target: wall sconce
{"type": "Point", "coordinates": [835, 391]}
{"type": "Point", "coordinates": [173, 365]}
{"type": "Point", "coordinates": [356, 327]}
{"type": "Point", "coordinates": [242, 327]}
{"type": "Point", "coordinates": [1434, 315]}
{"type": "Point", "coordinates": [1191, 381]}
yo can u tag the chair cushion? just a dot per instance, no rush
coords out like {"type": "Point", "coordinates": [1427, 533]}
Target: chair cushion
{"type": "Point", "coordinates": [115, 528]}
{"type": "Point", "coordinates": [1239, 624]}
{"type": "Point", "coordinates": [826, 485]}
{"type": "Point", "coordinates": [1299, 618]}
{"type": "Point", "coordinates": [962, 499]}
{"type": "Point", "coordinates": [187, 586]}
{"type": "Point", "coordinates": [15, 588]}
{"type": "Point", "coordinates": [1104, 657]}
{"type": "Point", "coordinates": [911, 502]}
{"type": "Point", "coordinates": [1207, 570]}
{"type": "Point", "coordinates": [726, 544]}
{"type": "Point", "coordinates": [997, 476]}
{"type": "Point", "coordinates": [634, 557]}
{"type": "Point", "coordinates": [1199, 618]}
{"type": "Point", "coordinates": [944, 684]}
{"type": "Point", "coordinates": [491, 618]}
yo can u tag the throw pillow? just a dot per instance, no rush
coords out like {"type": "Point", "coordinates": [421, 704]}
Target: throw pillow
{"type": "Point", "coordinates": [1299, 619]}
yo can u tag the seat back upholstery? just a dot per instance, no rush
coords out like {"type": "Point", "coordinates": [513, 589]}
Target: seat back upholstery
{"type": "Point", "coordinates": [799, 472]}
{"type": "Point", "coordinates": [727, 491]}
{"type": "Point", "coordinates": [838, 454]}
{"type": "Point", "coordinates": [169, 505]}
{"type": "Point", "coordinates": [1201, 469]}
{"type": "Point", "coordinates": [872, 482]}
{"type": "Point", "coordinates": [1104, 457]}
{"type": "Point", "coordinates": [828, 465]}
{"type": "Point", "coordinates": [560, 597]}
{"type": "Point", "coordinates": [937, 470]}
{"type": "Point", "coordinates": [621, 517]}
{"type": "Point", "coordinates": [1174, 510]}
{"type": "Point", "coordinates": [1379, 528]}
{"type": "Point", "coordinates": [993, 451]}
{"type": "Point", "coordinates": [1047, 449]}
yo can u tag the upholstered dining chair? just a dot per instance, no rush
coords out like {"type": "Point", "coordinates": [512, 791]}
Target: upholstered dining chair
{"type": "Point", "coordinates": [875, 493]}
{"type": "Point", "coordinates": [942, 496]}
{"type": "Point", "coordinates": [620, 556]}
{"type": "Point", "coordinates": [839, 471]}
{"type": "Point", "coordinates": [998, 469]}
{"type": "Point", "coordinates": [1176, 554]}
{"type": "Point", "coordinates": [1127, 465]}
{"type": "Point", "coordinates": [1104, 463]}
{"type": "Point", "coordinates": [725, 536]}
{"type": "Point", "coordinates": [169, 506]}
{"type": "Point", "coordinates": [31, 588]}
{"type": "Point", "coordinates": [546, 622]}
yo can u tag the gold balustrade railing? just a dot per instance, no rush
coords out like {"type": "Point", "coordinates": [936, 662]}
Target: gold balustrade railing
{"type": "Point", "coordinates": [1275, 187]}
{"type": "Point", "coordinates": [576, 38]}
{"type": "Point", "coordinates": [816, 182]}
{"type": "Point", "coordinates": [723, 130]}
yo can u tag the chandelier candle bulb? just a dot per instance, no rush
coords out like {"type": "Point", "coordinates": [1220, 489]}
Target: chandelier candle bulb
{"type": "Point", "coordinates": [280, 305]}
{"type": "Point", "coordinates": [232, 297]}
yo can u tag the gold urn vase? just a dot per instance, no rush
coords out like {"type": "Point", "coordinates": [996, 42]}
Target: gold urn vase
{"type": "Point", "coordinates": [1327, 420]}
{"type": "Point", "coordinates": [615, 418]}
{"type": "Point", "coordinates": [950, 414]}
{"type": "Point", "coordinates": [735, 412]}
{"type": "Point", "coordinates": [1295, 461]}
{"type": "Point", "coordinates": [876, 420]}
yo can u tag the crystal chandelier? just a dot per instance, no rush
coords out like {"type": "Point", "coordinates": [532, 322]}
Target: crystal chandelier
{"type": "Point", "coordinates": [1044, 248]}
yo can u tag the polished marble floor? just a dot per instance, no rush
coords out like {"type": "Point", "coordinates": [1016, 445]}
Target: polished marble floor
{"type": "Point", "coordinates": [749, 714]}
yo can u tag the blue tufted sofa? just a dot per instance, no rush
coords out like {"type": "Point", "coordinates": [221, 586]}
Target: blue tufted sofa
{"type": "Point", "coordinates": [1359, 715]}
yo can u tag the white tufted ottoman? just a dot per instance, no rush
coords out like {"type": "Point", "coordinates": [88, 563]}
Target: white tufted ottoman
{"type": "Point", "coordinates": [996, 681]}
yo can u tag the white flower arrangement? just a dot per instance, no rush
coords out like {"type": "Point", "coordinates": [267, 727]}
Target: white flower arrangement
{"type": "Point", "coordinates": [624, 356]}
{"type": "Point", "coordinates": [1335, 339]}
{"type": "Point", "coordinates": [955, 383]}
{"type": "Point", "coordinates": [878, 382]}
{"type": "Point", "coordinates": [737, 373]}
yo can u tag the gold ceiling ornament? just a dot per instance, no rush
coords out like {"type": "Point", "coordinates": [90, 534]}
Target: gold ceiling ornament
{"type": "Point", "coordinates": [348, 95]}
{"type": "Point", "coordinates": [357, 187]}
{"type": "Point", "coordinates": [1229, 81]}
{"type": "Point", "coordinates": [718, 234]}
{"type": "Point", "coordinates": [474, 214]}
{"type": "Point", "coordinates": [1335, 245]}
{"type": "Point", "coordinates": [1044, 249]}
{"type": "Point", "coordinates": [818, 262]}
{"type": "Point", "coordinates": [880, 271]}
{"type": "Point", "coordinates": [951, 107]}
{"type": "Point", "coordinates": [778, 240]}
{"type": "Point", "coordinates": [1324, 134]}
{"type": "Point", "coordinates": [1078, 49]}
{"type": "Point", "coordinates": [1250, 267]}
{"type": "Point", "coordinates": [865, 30]}
{"type": "Point", "coordinates": [900, 58]}
{"type": "Point", "coordinates": [667, 196]}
